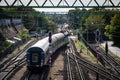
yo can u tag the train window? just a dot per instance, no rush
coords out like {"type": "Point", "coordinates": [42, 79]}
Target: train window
{"type": "Point", "coordinates": [28, 56]}
{"type": "Point", "coordinates": [42, 55]}
{"type": "Point", "coordinates": [35, 57]}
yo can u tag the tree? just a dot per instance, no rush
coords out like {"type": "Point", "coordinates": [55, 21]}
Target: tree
{"type": "Point", "coordinates": [95, 21]}
{"type": "Point", "coordinates": [75, 18]}
{"type": "Point", "coordinates": [50, 25]}
{"type": "Point", "coordinates": [29, 21]}
{"type": "Point", "coordinates": [113, 30]}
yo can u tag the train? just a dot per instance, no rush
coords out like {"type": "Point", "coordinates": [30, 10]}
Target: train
{"type": "Point", "coordinates": [37, 56]}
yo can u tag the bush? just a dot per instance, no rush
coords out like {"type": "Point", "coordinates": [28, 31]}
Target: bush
{"type": "Point", "coordinates": [24, 34]}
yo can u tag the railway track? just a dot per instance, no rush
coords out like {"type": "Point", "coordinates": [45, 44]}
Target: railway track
{"type": "Point", "coordinates": [105, 59]}
{"type": "Point", "coordinates": [14, 63]}
{"type": "Point", "coordinates": [69, 71]}
{"type": "Point", "coordinates": [103, 72]}
{"type": "Point", "coordinates": [6, 73]}
{"type": "Point", "coordinates": [108, 59]}
{"type": "Point", "coordinates": [33, 76]}
{"type": "Point", "coordinates": [97, 69]}
{"type": "Point", "coordinates": [74, 71]}
{"type": "Point", "coordinates": [37, 75]}
{"type": "Point", "coordinates": [72, 50]}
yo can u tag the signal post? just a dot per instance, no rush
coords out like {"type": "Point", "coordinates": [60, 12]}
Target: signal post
{"type": "Point", "coordinates": [50, 52]}
{"type": "Point", "coordinates": [97, 39]}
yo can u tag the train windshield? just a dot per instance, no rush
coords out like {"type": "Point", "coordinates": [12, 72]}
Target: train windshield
{"type": "Point", "coordinates": [35, 57]}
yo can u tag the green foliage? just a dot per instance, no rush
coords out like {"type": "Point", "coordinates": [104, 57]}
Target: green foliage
{"type": "Point", "coordinates": [3, 43]}
{"type": "Point", "coordinates": [75, 18]}
{"type": "Point", "coordinates": [115, 20]}
{"type": "Point", "coordinates": [113, 30]}
{"type": "Point", "coordinates": [95, 21]}
{"type": "Point", "coordinates": [50, 25]}
{"type": "Point", "coordinates": [24, 34]}
{"type": "Point", "coordinates": [29, 22]}
{"type": "Point", "coordinates": [58, 18]}
{"type": "Point", "coordinates": [109, 30]}
{"type": "Point", "coordinates": [95, 18]}
{"type": "Point", "coordinates": [1, 49]}
{"type": "Point", "coordinates": [31, 19]}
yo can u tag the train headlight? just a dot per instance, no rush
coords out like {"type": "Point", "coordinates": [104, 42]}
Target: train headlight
{"type": "Point", "coordinates": [42, 62]}
{"type": "Point", "coordinates": [28, 60]}
{"type": "Point", "coordinates": [37, 65]}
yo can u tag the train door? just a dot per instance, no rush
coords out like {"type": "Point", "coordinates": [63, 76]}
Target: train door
{"type": "Point", "coordinates": [42, 58]}
{"type": "Point", "coordinates": [35, 57]}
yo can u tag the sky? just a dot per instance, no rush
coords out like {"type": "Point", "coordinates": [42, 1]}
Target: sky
{"type": "Point", "coordinates": [53, 10]}
{"type": "Point", "coordinates": [70, 2]}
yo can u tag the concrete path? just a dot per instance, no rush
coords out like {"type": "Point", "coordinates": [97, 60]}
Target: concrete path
{"type": "Point", "coordinates": [113, 49]}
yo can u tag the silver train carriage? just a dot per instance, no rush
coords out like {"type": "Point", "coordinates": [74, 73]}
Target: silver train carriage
{"type": "Point", "coordinates": [37, 55]}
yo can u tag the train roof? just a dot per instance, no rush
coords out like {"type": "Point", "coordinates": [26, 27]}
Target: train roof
{"type": "Point", "coordinates": [57, 36]}
{"type": "Point", "coordinates": [44, 44]}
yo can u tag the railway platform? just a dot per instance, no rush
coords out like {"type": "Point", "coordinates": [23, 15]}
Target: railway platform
{"type": "Point", "coordinates": [111, 48]}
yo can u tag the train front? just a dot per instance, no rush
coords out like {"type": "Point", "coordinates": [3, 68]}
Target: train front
{"type": "Point", "coordinates": [34, 58]}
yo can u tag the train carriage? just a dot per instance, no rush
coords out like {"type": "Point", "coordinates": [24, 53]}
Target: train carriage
{"type": "Point", "coordinates": [37, 56]}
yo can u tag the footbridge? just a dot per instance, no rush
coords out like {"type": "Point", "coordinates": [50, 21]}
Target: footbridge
{"type": "Point", "coordinates": [59, 3]}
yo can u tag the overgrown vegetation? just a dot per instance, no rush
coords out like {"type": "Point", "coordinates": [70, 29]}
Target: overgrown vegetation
{"type": "Point", "coordinates": [107, 21]}
{"type": "Point", "coordinates": [24, 34]}
{"type": "Point", "coordinates": [3, 43]}
{"type": "Point", "coordinates": [113, 29]}
{"type": "Point", "coordinates": [31, 19]}
{"type": "Point", "coordinates": [84, 50]}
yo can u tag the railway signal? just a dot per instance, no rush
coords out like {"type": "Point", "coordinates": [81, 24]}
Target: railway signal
{"type": "Point", "coordinates": [106, 48]}
{"type": "Point", "coordinates": [97, 35]}
{"type": "Point", "coordinates": [50, 51]}
{"type": "Point", "coordinates": [50, 47]}
{"type": "Point", "coordinates": [97, 39]}
{"type": "Point", "coordinates": [50, 37]}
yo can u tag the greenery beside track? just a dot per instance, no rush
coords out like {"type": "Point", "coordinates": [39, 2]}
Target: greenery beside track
{"type": "Point", "coordinates": [85, 50]}
{"type": "Point", "coordinates": [22, 46]}
{"type": "Point", "coordinates": [4, 44]}
{"type": "Point", "coordinates": [88, 21]}
{"type": "Point", "coordinates": [32, 21]}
